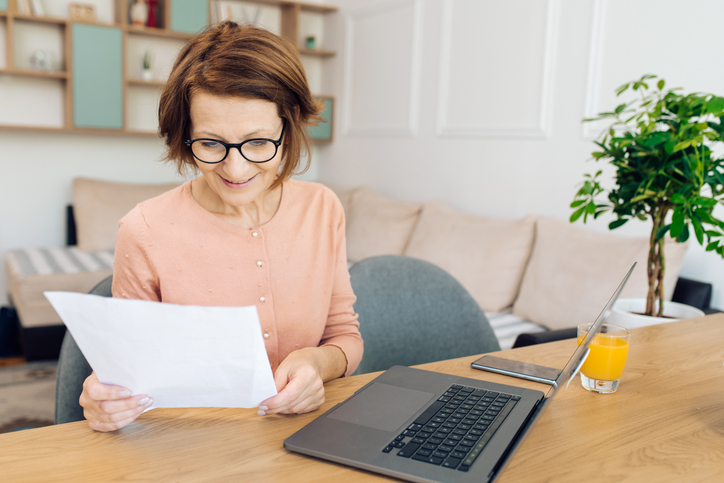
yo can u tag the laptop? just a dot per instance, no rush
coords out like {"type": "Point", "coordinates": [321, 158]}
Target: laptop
{"type": "Point", "coordinates": [426, 426]}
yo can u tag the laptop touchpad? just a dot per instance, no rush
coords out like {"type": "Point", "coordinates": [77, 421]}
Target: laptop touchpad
{"type": "Point", "coordinates": [382, 407]}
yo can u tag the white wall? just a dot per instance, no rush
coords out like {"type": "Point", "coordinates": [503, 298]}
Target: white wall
{"type": "Point", "coordinates": [479, 102]}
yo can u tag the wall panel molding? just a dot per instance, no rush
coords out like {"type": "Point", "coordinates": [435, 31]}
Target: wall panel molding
{"type": "Point", "coordinates": [541, 127]}
{"type": "Point", "coordinates": [408, 127]}
{"type": "Point", "coordinates": [591, 130]}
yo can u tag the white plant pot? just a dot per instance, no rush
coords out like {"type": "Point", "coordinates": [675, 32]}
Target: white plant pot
{"type": "Point", "coordinates": [625, 312]}
{"type": "Point", "coordinates": [147, 74]}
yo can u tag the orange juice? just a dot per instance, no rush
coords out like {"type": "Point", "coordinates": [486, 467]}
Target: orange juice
{"type": "Point", "coordinates": [607, 358]}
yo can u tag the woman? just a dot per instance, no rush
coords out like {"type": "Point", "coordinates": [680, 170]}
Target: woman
{"type": "Point", "coordinates": [235, 109]}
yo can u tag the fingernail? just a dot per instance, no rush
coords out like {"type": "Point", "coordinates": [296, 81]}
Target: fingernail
{"type": "Point", "coordinates": [143, 401]}
{"type": "Point", "coordinates": [264, 408]}
{"type": "Point", "coordinates": [261, 412]}
{"type": "Point", "coordinates": [124, 394]}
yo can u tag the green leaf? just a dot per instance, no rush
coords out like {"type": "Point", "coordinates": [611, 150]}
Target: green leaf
{"type": "Point", "coordinates": [577, 203]}
{"type": "Point", "coordinates": [669, 146]}
{"type": "Point", "coordinates": [678, 199]}
{"type": "Point", "coordinates": [591, 208]}
{"type": "Point", "coordinates": [706, 202]}
{"type": "Point", "coordinates": [677, 223]}
{"type": "Point", "coordinates": [622, 89]}
{"type": "Point", "coordinates": [684, 235]}
{"type": "Point", "coordinates": [698, 231]}
{"type": "Point", "coordinates": [615, 224]}
{"type": "Point", "coordinates": [661, 84]}
{"type": "Point", "coordinates": [577, 214]}
{"type": "Point", "coordinates": [711, 246]}
{"type": "Point", "coordinates": [662, 231]}
{"type": "Point", "coordinates": [715, 105]}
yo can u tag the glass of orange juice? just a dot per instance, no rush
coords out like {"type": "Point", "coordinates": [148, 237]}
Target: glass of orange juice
{"type": "Point", "coordinates": [602, 370]}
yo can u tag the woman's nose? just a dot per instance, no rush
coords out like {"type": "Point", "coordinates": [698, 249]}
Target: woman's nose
{"type": "Point", "coordinates": [235, 164]}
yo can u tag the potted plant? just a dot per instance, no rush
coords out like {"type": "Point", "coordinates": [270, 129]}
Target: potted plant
{"type": "Point", "coordinates": [663, 145]}
{"type": "Point", "coordinates": [147, 73]}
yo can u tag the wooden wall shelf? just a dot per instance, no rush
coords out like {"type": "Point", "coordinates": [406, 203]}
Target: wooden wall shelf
{"type": "Point", "coordinates": [79, 114]}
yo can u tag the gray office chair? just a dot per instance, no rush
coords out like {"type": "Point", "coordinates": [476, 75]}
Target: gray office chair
{"type": "Point", "coordinates": [73, 370]}
{"type": "Point", "coordinates": [413, 312]}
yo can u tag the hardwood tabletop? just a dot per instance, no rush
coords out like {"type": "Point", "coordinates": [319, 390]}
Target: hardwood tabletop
{"type": "Point", "coordinates": [665, 423]}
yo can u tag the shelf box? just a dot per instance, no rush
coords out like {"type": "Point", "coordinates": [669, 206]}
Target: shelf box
{"type": "Point", "coordinates": [323, 132]}
{"type": "Point", "coordinates": [189, 16]}
{"type": "Point", "coordinates": [4, 5]}
{"type": "Point", "coordinates": [97, 77]}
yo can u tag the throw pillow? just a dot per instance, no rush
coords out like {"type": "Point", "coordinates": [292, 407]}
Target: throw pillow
{"type": "Point", "coordinates": [378, 225]}
{"type": "Point", "coordinates": [573, 271]}
{"type": "Point", "coordinates": [99, 205]}
{"type": "Point", "coordinates": [486, 255]}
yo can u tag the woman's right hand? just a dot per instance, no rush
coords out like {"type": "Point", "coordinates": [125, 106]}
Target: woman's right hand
{"type": "Point", "coordinates": [108, 407]}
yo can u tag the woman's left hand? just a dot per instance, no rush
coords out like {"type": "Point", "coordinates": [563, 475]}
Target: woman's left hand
{"type": "Point", "coordinates": [300, 380]}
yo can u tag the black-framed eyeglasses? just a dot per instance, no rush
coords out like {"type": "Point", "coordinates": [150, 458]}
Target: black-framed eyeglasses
{"type": "Point", "coordinates": [257, 150]}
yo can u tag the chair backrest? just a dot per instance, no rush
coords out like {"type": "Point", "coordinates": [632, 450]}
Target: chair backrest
{"type": "Point", "coordinates": [413, 312]}
{"type": "Point", "coordinates": [73, 370]}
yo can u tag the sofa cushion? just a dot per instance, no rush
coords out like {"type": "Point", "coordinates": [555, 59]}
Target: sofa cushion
{"type": "Point", "coordinates": [378, 225]}
{"type": "Point", "coordinates": [487, 255]}
{"type": "Point", "coordinates": [99, 205]}
{"type": "Point", "coordinates": [574, 270]}
{"type": "Point", "coordinates": [32, 271]}
{"type": "Point", "coordinates": [345, 197]}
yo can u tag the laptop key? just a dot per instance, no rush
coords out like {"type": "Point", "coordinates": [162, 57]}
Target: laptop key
{"type": "Point", "coordinates": [408, 450]}
{"type": "Point", "coordinates": [429, 412]}
{"type": "Point", "coordinates": [451, 462]}
{"type": "Point", "coordinates": [428, 459]}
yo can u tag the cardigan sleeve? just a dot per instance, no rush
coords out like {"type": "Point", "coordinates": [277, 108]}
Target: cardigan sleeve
{"type": "Point", "coordinates": [134, 276]}
{"type": "Point", "coordinates": [342, 329]}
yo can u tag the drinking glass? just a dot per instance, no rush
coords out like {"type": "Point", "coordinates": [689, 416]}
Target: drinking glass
{"type": "Point", "coordinates": [602, 370]}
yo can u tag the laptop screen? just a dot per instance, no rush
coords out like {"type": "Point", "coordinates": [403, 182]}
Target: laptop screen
{"type": "Point", "coordinates": [579, 356]}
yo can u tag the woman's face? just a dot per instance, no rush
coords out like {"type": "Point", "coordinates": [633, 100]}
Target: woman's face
{"type": "Point", "coordinates": [236, 181]}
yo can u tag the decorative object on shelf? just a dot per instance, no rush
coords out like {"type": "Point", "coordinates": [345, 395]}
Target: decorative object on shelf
{"type": "Point", "coordinates": [663, 146]}
{"type": "Point", "coordinates": [139, 13]}
{"type": "Point", "coordinates": [310, 42]}
{"type": "Point", "coordinates": [146, 72]}
{"type": "Point", "coordinates": [151, 22]}
{"type": "Point", "coordinates": [37, 7]}
{"type": "Point", "coordinates": [82, 11]}
{"type": "Point", "coordinates": [249, 20]}
{"type": "Point", "coordinates": [24, 7]}
{"type": "Point", "coordinates": [42, 60]}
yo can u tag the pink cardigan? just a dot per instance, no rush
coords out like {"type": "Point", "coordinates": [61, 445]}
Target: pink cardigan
{"type": "Point", "coordinates": [293, 268]}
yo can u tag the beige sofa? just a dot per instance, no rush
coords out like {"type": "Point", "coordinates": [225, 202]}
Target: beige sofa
{"type": "Point", "coordinates": [530, 274]}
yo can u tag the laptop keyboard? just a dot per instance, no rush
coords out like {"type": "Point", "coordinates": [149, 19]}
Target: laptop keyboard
{"type": "Point", "coordinates": [453, 431]}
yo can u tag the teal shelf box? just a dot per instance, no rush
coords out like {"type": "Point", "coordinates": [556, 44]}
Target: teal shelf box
{"type": "Point", "coordinates": [189, 16]}
{"type": "Point", "coordinates": [97, 77]}
{"type": "Point", "coordinates": [323, 130]}
{"type": "Point", "coordinates": [3, 4]}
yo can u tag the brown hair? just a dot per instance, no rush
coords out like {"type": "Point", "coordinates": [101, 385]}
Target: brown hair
{"type": "Point", "coordinates": [241, 61]}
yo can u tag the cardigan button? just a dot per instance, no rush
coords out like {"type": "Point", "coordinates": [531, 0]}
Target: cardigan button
{"type": "Point", "coordinates": [262, 299]}
{"type": "Point", "coordinates": [254, 234]}
{"type": "Point", "coordinates": [259, 263]}
{"type": "Point", "coordinates": [266, 335]}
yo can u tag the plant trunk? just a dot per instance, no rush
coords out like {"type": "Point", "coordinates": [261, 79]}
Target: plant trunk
{"type": "Point", "coordinates": [656, 265]}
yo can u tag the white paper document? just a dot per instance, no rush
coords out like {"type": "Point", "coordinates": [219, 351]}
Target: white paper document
{"type": "Point", "coordinates": [180, 355]}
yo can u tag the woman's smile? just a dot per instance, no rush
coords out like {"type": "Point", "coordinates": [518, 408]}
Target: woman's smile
{"type": "Point", "coordinates": [238, 184]}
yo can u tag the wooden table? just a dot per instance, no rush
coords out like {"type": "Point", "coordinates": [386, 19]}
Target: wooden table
{"type": "Point", "coordinates": [665, 423]}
